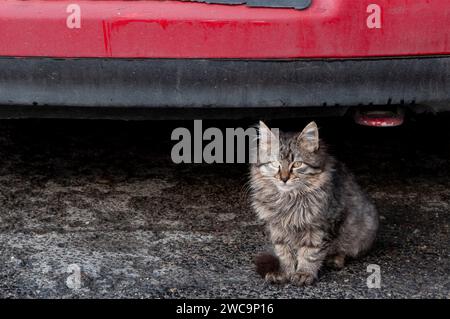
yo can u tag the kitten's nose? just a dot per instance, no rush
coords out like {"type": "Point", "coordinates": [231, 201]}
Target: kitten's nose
{"type": "Point", "coordinates": [284, 173]}
{"type": "Point", "coordinates": [284, 177]}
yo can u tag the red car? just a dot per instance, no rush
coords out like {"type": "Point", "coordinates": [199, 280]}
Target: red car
{"type": "Point", "coordinates": [90, 58]}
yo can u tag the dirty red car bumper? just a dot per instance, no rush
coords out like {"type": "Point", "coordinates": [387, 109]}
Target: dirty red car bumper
{"type": "Point", "coordinates": [175, 29]}
{"type": "Point", "coordinates": [178, 54]}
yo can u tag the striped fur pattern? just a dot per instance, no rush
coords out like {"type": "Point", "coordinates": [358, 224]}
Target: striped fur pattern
{"type": "Point", "coordinates": [314, 210]}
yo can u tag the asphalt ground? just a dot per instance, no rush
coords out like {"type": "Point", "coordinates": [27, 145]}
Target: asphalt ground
{"type": "Point", "coordinates": [105, 197]}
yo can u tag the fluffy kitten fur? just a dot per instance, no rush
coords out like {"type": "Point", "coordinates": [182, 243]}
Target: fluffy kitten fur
{"type": "Point", "coordinates": [314, 210]}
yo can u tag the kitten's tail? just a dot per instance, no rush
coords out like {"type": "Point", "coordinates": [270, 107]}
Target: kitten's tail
{"type": "Point", "coordinates": [266, 263]}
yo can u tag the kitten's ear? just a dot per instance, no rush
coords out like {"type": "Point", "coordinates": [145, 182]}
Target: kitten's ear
{"type": "Point", "coordinates": [263, 126]}
{"type": "Point", "coordinates": [264, 132]}
{"type": "Point", "coordinates": [268, 143]}
{"type": "Point", "coordinates": [308, 139]}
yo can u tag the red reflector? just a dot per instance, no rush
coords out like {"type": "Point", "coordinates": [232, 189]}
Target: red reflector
{"type": "Point", "coordinates": [380, 118]}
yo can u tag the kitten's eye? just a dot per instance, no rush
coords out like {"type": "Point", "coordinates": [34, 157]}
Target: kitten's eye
{"type": "Point", "coordinates": [297, 164]}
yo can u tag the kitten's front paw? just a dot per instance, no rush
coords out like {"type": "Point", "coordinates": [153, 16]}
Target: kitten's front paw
{"type": "Point", "coordinates": [336, 262]}
{"type": "Point", "coordinates": [303, 279]}
{"type": "Point", "coordinates": [276, 278]}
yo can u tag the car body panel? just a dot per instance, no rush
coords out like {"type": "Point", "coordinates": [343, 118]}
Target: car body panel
{"type": "Point", "coordinates": [176, 29]}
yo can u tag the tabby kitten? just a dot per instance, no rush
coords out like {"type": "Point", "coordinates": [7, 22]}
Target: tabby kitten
{"type": "Point", "coordinates": [314, 210]}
